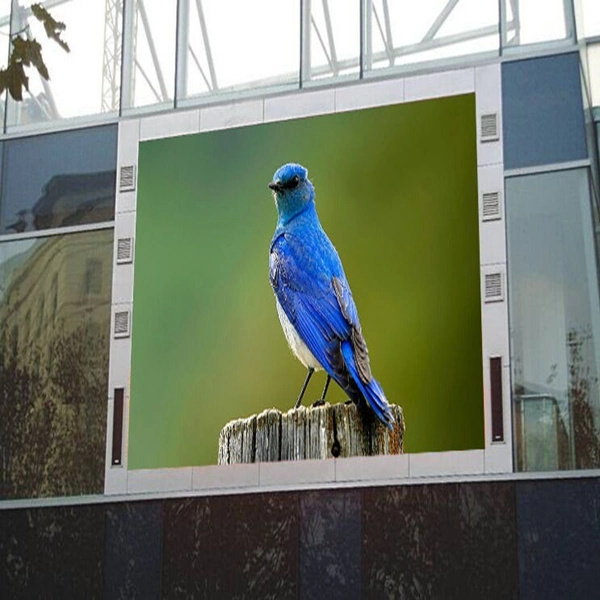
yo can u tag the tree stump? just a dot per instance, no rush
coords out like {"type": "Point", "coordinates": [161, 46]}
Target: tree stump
{"type": "Point", "coordinates": [327, 431]}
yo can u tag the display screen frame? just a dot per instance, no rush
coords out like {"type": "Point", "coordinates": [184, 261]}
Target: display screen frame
{"type": "Point", "coordinates": [495, 456]}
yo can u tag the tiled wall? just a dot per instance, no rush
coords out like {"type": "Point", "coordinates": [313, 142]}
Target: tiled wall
{"type": "Point", "coordinates": [503, 539]}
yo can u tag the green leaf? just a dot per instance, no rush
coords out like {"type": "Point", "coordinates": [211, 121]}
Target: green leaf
{"type": "Point", "coordinates": [53, 28]}
{"type": "Point", "coordinates": [29, 52]}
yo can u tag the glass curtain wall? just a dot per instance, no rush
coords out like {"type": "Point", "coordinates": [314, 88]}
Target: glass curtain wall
{"type": "Point", "coordinates": [57, 180]}
{"type": "Point", "coordinates": [145, 55]}
{"type": "Point", "coordinates": [55, 298]}
{"type": "Point", "coordinates": [555, 321]}
{"type": "Point", "coordinates": [399, 34]}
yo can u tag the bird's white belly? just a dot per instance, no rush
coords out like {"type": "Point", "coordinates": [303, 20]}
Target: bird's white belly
{"type": "Point", "coordinates": [298, 347]}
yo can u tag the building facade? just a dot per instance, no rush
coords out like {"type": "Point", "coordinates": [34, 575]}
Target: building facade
{"type": "Point", "coordinates": [75, 176]}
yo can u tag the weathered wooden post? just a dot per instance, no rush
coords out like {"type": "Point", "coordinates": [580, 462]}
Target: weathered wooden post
{"type": "Point", "coordinates": [327, 431]}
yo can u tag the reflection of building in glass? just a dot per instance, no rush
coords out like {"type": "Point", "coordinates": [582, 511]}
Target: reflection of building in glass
{"type": "Point", "coordinates": [75, 199]}
{"type": "Point", "coordinates": [70, 200]}
{"type": "Point", "coordinates": [69, 186]}
{"type": "Point", "coordinates": [555, 313]}
{"type": "Point", "coordinates": [71, 275]}
{"type": "Point", "coordinates": [542, 439]}
{"type": "Point", "coordinates": [54, 320]}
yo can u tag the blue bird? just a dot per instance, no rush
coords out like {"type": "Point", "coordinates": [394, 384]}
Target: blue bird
{"type": "Point", "coordinates": [313, 297]}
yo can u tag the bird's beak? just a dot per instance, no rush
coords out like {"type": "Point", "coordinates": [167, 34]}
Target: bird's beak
{"type": "Point", "coordinates": [275, 186]}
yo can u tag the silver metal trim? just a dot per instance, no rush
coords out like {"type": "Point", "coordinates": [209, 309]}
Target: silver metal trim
{"type": "Point", "coordinates": [9, 237]}
{"type": "Point", "coordinates": [566, 166]}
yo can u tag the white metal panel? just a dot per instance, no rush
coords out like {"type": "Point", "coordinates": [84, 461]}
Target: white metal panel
{"type": "Point", "coordinates": [127, 155]}
{"type": "Point", "coordinates": [488, 100]}
{"type": "Point", "coordinates": [229, 115]}
{"type": "Point", "coordinates": [439, 85]}
{"type": "Point", "coordinates": [369, 94]}
{"type": "Point", "coordinates": [180, 122]}
{"type": "Point", "coordinates": [299, 104]}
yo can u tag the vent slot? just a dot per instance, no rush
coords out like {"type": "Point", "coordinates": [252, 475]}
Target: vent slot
{"type": "Point", "coordinates": [490, 206]}
{"type": "Point", "coordinates": [122, 321]}
{"type": "Point", "coordinates": [496, 394]}
{"type": "Point", "coordinates": [494, 288]}
{"type": "Point", "coordinates": [127, 178]}
{"type": "Point", "coordinates": [117, 436]}
{"type": "Point", "coordinates": [489, 127]}
{"type": "Point", "coordinates": [124, 250]}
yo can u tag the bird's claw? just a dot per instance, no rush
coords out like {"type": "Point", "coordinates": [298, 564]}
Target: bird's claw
{"type": "Point", "coordinates": [318, 403]}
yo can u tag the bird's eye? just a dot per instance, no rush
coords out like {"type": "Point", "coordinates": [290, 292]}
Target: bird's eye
{"type": "Point", "coordinates": [292, 183]}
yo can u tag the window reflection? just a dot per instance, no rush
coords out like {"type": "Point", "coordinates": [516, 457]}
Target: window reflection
{"type": "Point", "coordinates": [555, 321]}
{"type": "Point", "coordinates": [59, 180]}
{"type": "Point", "coordinates": [54, 363]}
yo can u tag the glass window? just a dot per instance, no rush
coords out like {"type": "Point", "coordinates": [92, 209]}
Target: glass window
{"type": "Point", "coordinates": [593, 72]}
{"type": "Point", "coordinates": [84, 81]}
{"type": "Point", "coordinates": [554, 321]}
{"type": "Point", "coordinates": [535, 21]}
{"type": "Point", "coordinates": [54, 364]}
{"type": "Point", "coordinates": [543, 116]}
{"type": "Point", "coordinates": [598, 137]}
{"type": "Point", "coordinates": [92, 281]}
{"type": "Point", "coordinates": [59, 179]}
{"type": "Point", "coordinates": [4, 43]}
{"type": "Point", "coordinates": [402, 33]}
{"type": "Point", "coordinates": [590, 17]}
{"type": "Point", "coordinates": [334, 39]}
{"type": "Point", "coordinates": [258, 47]}
{"type": "Point", "coordinates": [150, 77]}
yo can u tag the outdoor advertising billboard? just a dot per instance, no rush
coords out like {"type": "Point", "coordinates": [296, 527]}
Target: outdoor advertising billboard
{"type": "Point", "coordinates": [396, 192]}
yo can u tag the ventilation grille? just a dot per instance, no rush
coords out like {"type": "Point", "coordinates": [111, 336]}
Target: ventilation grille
{"type": "Point", "coordinates": [490, 206]}
{"type": "Point", "coordinates": [124, 250]}
{"type": "Point", "coordinates": [122, 321]}
{"type": "Point", "coordinates": [127, 178]}
{"type": "Point", "coordinates": [494, 289]}
{"type": "Point", "coordinates": [489, 127]}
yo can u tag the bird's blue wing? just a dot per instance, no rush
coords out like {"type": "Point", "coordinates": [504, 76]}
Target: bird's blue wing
{"type": "Point", "coordinates": [316, 299]}
{"type": "Point", "coordinates": [315, 296]}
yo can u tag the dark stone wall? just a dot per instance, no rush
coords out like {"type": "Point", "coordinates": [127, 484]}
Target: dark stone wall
{"type": "Point", "coordinates": [504, 539]}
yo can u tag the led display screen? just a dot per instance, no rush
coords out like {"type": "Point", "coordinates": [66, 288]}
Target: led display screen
{"type": "Point", "coordinates": [396, 191]}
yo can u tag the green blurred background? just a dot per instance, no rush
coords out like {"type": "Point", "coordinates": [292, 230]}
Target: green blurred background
{"type": "Point", "coordinates": [396, 191]}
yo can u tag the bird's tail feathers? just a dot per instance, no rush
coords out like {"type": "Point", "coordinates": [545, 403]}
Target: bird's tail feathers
{"type": "Point", "coordinates": [372, 391]}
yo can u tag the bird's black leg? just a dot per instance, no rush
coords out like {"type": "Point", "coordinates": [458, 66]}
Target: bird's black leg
{"type": "Point", "coordinates": [308, 376]}
{"type": "Point", "coordinates": [322, 399]}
